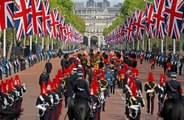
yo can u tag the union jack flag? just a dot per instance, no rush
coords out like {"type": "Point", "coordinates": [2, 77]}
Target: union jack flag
{"type": "Point", "coordinates": [174, 16]}
{"type": "Point", "coordinates": [6, 12]}
{"type": "Point", "coordinates": [159, 19]}
{"type": "Point", "coordinates": [46, 18]}
{"type": "Point", "coordinates": [22, 11]}
{"type": "Point", "coordinates": [54, 24]}
{"type": "Point", "coordinates": [62, 28]}
{"type": "Point", "coordinates": [67, 33]}
{"type": "Point", "coordinates": [130, 28]}
{"type": "Point", "coordinates": [124, 31]}
{"type": "Point", "coordinates": [149, 20]}
{"type": "Point", "coordinates": [35, 23]}
{"type": "Point", "coordinates": [139, 24]}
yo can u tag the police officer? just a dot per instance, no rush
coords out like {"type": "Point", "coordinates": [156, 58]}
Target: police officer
{"type": "Point", "coordinates": [48, 67]}
{"type": "Point", "coordinates": [149, 88]}
{"type": "Point", "coordinates": [173, 88]}
{"type": "Point", "coordinates": [43, 78]}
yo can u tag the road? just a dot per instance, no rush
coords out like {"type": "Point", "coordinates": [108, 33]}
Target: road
{"type": "Point", "coordinates": [115, 103]}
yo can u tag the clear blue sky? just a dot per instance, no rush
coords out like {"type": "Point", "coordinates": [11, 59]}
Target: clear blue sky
{"type": "Point", "coordinates": [113, 2]}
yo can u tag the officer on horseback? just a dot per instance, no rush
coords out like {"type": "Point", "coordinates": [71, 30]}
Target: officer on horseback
{"type": "Point", "coordinates": [81, 88]}
{"type": "Point", "coordinates": [173, 88]}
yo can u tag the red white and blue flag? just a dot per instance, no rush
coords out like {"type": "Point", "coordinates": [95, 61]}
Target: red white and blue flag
{"type": "Point", "coordinates": [54, 24]}
{"type": "Point", "coordinates": [182, 29]}
{"type": "Point", "coordinates": [22, 11]}
{"type": "Point", "coordinates": [35, 23]}
{"type": "Point", "coordinates": [67, 33]}
{"type": "Point", "coordinates": [139, 24]}
{"type": "Point", "coordinates": [130, 28]}
{"type": "Point", "coordinates": [174, 16]}
{"type": "Point", "coordinates": [61, 28]}
{"type": "Point", "coordinates": [159, 19]}
{"type": "Point", "coordinates": [149, 20]}
{"type": "Point", "coordinates": [6, 12]}
{"type": "Point", "coordinates": [46, 18]}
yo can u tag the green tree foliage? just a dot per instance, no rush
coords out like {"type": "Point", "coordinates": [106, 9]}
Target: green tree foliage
{"type": "Point", "coordinates": [126, 9]}
{"type": "Point", "coordinates": [66, 9]}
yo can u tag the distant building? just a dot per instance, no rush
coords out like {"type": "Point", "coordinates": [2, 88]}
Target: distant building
{"type": "Point", "coordinates": [78, 5]}
{"type": "Point", "coordinates": [118, 5]}
{"type": "Point", "coordinates": [97, 16]}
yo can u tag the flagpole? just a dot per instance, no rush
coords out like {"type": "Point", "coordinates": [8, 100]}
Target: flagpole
{"type": "Point", "coordinates": [42, 43]}
{"type": "Point", "coordinates": [143, 44]}
{"type": "Point", "coordinates": [133, 44]}
{"type": "Point", "coordinates": [174, 46]}
{"type": "Point", "coordinates": [52, 44]}
{"type": "Point", "coordinates": [137, 44]}
{"type": "Point", "coordinates": [36, 39]}
{"type": "Point", "coordinates": [4, 43]}
{"type": "Point", "coordinates": [162, 46]}
{"type": "Point", "coordinates": [31, 40]}
{"type": "Point", "coordinates": [149, 45]}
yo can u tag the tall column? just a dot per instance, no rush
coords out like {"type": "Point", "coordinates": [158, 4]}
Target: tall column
{"type": "Point", "coordinates": [174, 46]}
{"type": "Point", "coordinates": [4, 43]}
{"type": "Point", "coordinates": [162, 46]}
{"type": "Point", "coordinates": [30, 44]}
{"type": "Point", "coordinates": [181, 45]}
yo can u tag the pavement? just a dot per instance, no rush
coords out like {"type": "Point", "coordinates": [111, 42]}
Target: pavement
{"type": "Point", "coordinates": [115, 104]}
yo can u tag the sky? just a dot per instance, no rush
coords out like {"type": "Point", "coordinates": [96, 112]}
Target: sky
{"type": "Point", "coordinates": [113, 2]}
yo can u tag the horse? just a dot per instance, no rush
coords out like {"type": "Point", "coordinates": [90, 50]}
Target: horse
{"type": "Point", "coordinates": [173, 110]}
{"type": "Point", "coordinates": [78, 109]}
{"type": "Point", "coordinates": [81, 109]}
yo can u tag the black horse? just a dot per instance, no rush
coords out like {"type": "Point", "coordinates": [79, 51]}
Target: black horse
{"type": "Point", "coordinates": [173, 110]}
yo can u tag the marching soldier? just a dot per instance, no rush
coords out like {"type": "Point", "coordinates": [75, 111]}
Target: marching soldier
{"type": "Point", "coordinates": [173, 88]}
{"type": "Point", "coordinates": [141, 58]}
{"type": "Point", "coordinates": [104, 85]}
{"type": "Point", "coordinates": [135, 102]}
{"type": "Point", "coordinates": [149, 88]}
{"type": "Point", "coordinates": [43, 103]}
{"type": "Point", "coordinates": [43, 78]}
{"type": "Point", "coordinates": [152, 63]}
{"type": "Point", "coordinates": [1, 72]}
{"type": "Point", "coordinates": [160, 92]}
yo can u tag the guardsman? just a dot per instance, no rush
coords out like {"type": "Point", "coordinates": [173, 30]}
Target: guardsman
{"type": "Point", "coordinates": [103, 86]}
{"type": "Point", "coordinates": [149, 88]}
{"type": "Point", "coordinates": [168, 66]}
{"type": "Point", "coordinates": [1, 72]}
{"type": "Point", "coordinates": [141, 57]}
{"type": "Point", "coordinates": [63, 61]}
{"type": "Point", "coordinates": [44, 103]}
{"type": "Point", "coordinates": [135, 102]}
{"type": "Point", "coordinates": [160, 92]}
{"type": "Point", "coordinates": [152, 63]}
{"type": "Point", "coordinates": [95, 106]}
{"type": "Point", "coordinates": [173, 88]}
{"type": "Point", "coordinates": [135, 73]}
{"type": "Point", "coordinates": [121, 76]}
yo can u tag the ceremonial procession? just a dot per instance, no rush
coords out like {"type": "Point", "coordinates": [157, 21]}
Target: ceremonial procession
{"type": "Point", "coordinates": [91, 60]}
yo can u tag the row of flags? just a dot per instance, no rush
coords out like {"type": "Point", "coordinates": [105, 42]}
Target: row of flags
{"type": "Point", "coordinates": [164, 17]}
{"type": "Point", "coordinates": [34, 17]}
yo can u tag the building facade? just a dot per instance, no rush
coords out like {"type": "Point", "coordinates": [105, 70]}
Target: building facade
{"type": "Point", "coordinates": [97, 16]}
